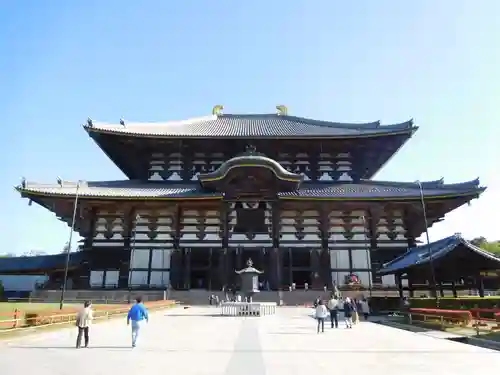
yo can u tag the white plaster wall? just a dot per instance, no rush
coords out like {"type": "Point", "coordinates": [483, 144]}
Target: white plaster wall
{"type": "Point", "coordinates": [96, 278]}
{"type": "Point", "coordinates": [139, 277]}
{"type": "Point", "coordinates": [159, 278]}
{"type": "Point", "coordinates": [139, 258]}
{"type": "Point", "coordinates": [360, 259]}
{"type": "Point", "coordinates": [160, 258]}
{"type": "Point", "coordinates": [112, 277]}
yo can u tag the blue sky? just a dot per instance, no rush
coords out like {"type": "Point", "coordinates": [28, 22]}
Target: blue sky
{"type": "Point", "coordinates": [64, 61]}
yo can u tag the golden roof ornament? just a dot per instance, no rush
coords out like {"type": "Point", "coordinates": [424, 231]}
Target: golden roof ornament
{"type": "Point", "coordinates": [217, 110]}
{"type": "Point", "coordinates": [282, 110]}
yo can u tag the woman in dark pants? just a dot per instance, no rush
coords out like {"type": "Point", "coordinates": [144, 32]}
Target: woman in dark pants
{"type": "Point", "coordinates": [321, 313]}
{"type": "Point", "coordinates": [83, 321]}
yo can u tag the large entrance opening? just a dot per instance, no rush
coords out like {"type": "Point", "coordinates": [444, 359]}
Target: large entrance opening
{"type": "Point", "coordinates": [297, 267]}
{"type": "Point", "coordinates": [204, 269]}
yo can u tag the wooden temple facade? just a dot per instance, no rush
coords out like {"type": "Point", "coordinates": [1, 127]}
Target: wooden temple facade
{"type": "Point", "coordinates": [204, 195]}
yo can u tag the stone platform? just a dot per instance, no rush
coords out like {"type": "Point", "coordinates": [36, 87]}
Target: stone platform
{"type": "Point", "coordinates": [199, 341]}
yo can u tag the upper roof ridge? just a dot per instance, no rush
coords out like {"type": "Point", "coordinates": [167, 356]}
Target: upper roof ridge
{"type": "Point", "coordinates": [248, 124]}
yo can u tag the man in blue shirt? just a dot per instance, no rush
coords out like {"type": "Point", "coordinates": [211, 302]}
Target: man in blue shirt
{"type": "Point", "coordinates": [137, 314]}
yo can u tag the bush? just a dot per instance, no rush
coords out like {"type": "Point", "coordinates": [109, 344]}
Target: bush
{"type": "Point", "coordinates": [379, 304]}
{"type": "Point", "coordinates": [463, 303]}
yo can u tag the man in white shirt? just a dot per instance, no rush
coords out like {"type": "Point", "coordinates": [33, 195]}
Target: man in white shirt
{"type": "Point", "coordinates": [333, 307]}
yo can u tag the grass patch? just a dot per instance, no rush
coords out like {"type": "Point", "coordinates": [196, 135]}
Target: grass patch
{"type": "Point", "coordinates": [99, 314]}
{"type": "Point", "coordinates": [494, 336]}
{"type": "Point", "coordinates": [10, 307]}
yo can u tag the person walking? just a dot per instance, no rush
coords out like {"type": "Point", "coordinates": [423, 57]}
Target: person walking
{"type": "Point", "coordinates": [365, 308]}
{"type": "Point", "coordinates": [355, 308]}
{"type": "Point", "coordinates": [83, 321]}
{"type": "Point", "coordinates": [333, 306]}
{"type": "Point", "coordinates": [348, 311]}
{"type": "Point", "coordinates": [137, 314]}
{"type": "Point", "coordinates": [321, 313]}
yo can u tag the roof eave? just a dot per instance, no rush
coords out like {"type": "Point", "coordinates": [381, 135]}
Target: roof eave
{"type": "Point", "coordinates": [381, 167]}
{"type": "Point", "coordinates": [94, 130]}
{"type": "Point", "coordinates": [121, 166]}
{"type": "Point", "coordinates": [31, 194]}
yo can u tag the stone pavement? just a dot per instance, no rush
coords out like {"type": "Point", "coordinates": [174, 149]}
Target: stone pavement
{"type": "Point", "coordinates": [192, 342]}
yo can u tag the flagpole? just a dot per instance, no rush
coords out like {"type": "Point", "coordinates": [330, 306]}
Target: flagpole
{"type": "Point", "coordinates": [368, 257]}
{"type": "Point", "coordinates": [70, 239]}
{"type": "Point", "coordinates": [431, 256]}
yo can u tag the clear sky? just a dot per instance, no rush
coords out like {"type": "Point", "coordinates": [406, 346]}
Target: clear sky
{"type": "Point", "coordinates": [436, 61]}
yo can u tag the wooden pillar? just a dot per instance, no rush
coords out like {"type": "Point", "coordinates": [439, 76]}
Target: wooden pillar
{"type": "Point", "coordinates": [325, 265]}
{"type": "Point", "coordinates": [210, 271]}
{"type": "Point", "coordinates": [317, 282]}
{"type": "Point", "coordinates": [187, 268]}
{"type": "Point", "coordinates": [399, 281]}
{"type": "Point", "coordinates": [224, 261]}
{"type": "Point", "coordinates": [480, 285]}
{"type": "Point", "coordinates": [89, 239]}
{"type": "Point", "coordinates": [261, 262]}
{"type": "Point", "coordinates": [276, 263]}
{"type": "Point", "coordinates": [84, 279]}
{"type": "Point", "coordinates": [373, 219]}
{"type": "Point", "coordinates": [441, 288]}
{"type": "Point", "coordinates": [454, 289]}
{"type": "Point", "coordinates": [176, 259]}
{"type": "Point", "coordinates": [124, 274]}
{"type": "Point", "coordinates": [411, 287]}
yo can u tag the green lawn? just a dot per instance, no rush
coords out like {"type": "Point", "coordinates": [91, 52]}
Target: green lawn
{"type": "Point", "coordinates": [495, 336]}
{"type": "Point", "coordinates": [7, 307]}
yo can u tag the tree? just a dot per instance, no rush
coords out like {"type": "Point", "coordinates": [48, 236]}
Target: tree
{"type": "Point", "coordinates": [478, 241]}
{"type": "Point", "coordinates": [490, 246]}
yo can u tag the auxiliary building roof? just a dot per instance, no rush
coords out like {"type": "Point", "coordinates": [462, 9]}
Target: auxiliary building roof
{"type": "Point", "coordinates": [365, 189]}
{"type": "Point", "coordinates": [250, 125]}
{"type": "Point", "coordinates": [39, 262]}
{"type": "Point", "coordinates": [435, 251]}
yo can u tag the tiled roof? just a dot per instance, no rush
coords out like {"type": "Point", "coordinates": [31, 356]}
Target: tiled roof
{"type": "Point", "coordinates": [362, 190]}
{"type": "Point", "coordinates": [40, 262]}
{"type": "Point", "coordinates": [119, 189]}
{"type": "Point", "coordinates": [258, 125]}
{"type": "Point", "coordinates": [436, 250]}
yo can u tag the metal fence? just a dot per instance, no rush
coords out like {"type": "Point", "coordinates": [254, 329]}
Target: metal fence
{"type": "Point", "coordinates": [248, 308]}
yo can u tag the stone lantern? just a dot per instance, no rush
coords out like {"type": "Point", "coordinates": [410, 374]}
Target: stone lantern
{"type": "Point", "coordinates": [249, 277]}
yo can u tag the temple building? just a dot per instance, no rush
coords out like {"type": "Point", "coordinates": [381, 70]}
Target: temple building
{"type": "Point", "coordinates": [203, 195]}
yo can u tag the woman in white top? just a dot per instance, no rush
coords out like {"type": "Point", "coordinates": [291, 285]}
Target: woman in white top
{"type": "Point", "coordinates": [83, 321]}
{"type": "Point", "coordinates": [321, 314]}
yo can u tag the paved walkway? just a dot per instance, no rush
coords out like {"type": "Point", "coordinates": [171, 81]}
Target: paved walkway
{"type": "Point", "coordinates": [192, 342]}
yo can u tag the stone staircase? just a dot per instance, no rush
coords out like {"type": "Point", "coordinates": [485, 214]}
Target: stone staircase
{"type": "Point", "coordinates": [188, 297]}
{"type": "Point", "coordinates": [295, 298]}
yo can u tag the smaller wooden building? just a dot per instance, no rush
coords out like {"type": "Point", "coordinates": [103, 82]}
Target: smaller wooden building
{"type": "Point", "coordinates": [452, 263]}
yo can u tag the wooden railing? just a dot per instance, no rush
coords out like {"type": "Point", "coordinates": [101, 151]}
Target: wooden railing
{"type": "Point", "coordinates": [443, 317]}
{"type": "Point", "coordinates": [19, 319]}
{"type": "Point", "coordinates": [484, 314]}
